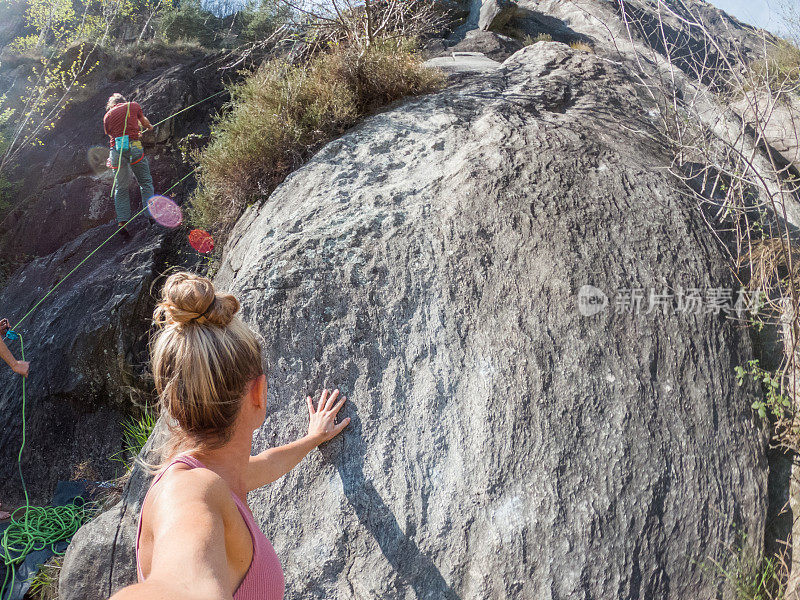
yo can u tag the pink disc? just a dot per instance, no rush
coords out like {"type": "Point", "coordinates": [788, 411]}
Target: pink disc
{"type": "Point", "coordinates": [165, 211]}
{"type": "Point", "coordinates": [201, 240]}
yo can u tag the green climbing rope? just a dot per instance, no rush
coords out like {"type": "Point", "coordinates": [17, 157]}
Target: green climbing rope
{"type": "Point", "coordinates": [36, 527]}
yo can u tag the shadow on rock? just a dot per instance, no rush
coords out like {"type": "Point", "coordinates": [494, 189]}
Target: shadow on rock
{"type": "Point", "coordinates": [409, 562]}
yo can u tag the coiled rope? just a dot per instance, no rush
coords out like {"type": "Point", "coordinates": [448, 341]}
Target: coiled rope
{"type": "Point", "coordinates": [34, 528]}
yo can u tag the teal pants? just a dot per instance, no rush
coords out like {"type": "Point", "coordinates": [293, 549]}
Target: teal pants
{"type": "Point", "coordinates": [132, 159]}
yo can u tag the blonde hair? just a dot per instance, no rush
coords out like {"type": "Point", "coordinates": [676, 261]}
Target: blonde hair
{"type": "Point", "coordinates": [113, 100]}
{"type": "Point", "coordinates": [203, 358]}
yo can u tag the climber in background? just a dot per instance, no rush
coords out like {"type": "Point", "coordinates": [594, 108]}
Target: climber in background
{"type": "Point", "coordinates": [20, 367]}
{"type": "Point", "coordinates": [197, 538]}
{"type": "Point", "coordinates": [124, 123]}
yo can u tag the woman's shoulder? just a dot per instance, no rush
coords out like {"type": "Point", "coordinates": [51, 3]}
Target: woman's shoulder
{"type": "Point", "coordinates": [184, 486]}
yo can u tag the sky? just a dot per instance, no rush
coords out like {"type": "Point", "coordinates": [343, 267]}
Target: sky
{"type": "Point", "coordinates": [761, 13]}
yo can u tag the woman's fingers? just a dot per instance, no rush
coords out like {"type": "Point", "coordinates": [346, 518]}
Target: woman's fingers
{"type": "Point", "coordinates": [338, 405]}
{"type": "Point", "coordinates": [332, 397]}
{"type": "Point", "coordinates": [310, 404]}
{"type": "Point", "coordinates": [322, 397]}
{"type": "Point", "coordinates": [341, 426]}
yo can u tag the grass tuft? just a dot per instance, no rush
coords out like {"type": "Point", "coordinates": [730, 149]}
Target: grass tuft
{"type": "Point", "coordinates": [581, 47]}
{"type": "Point", "coordinates": [781, 67]}
{"type": "Point", "coordinates": [745, 574]}
{"type": "Point", "coordinates": [136, 430]}
{"type": "Point", "coordinates": [542, 37]}
{"type": "Point", "coordinates": [44, 585]}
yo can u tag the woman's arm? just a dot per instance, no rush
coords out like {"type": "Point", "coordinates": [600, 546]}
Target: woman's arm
{"type": "Point", "coordinates": [189, 559]}
{"type": "Point", "coordinates": [19, 367]}
{"type": "Point", "coordinates": [274, 463]}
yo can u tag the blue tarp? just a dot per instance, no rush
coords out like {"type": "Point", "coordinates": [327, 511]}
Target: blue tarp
{"type": "Point", "coordinates": [66, 492]}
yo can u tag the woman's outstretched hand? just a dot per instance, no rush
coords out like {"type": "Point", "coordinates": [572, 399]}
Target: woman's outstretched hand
{"type": "Point", "coordinates": [322, 424]}
{"type": "Point", "coordinates": [274, 463]}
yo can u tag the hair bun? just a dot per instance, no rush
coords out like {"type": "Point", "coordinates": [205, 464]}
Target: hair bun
{"type": "Point", "coordinates": [191, 299]}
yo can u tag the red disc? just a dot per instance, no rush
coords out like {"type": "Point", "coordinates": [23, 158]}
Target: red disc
{"type": "Point", "coordinates": [201, 240]}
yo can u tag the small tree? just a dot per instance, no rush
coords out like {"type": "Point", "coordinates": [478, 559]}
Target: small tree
{"type": "Point", "coordinates": [261, 18]}
{"type": "Point", "coordinates": [189, 21]}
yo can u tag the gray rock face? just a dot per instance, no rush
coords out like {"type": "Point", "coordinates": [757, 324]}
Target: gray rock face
{"type": "Point", "coordinates": [463, 62]}
{"type": "Point", "coordinates": [779, 121]}
{"type": "Point", "coordinates": [13, 22]}
{"type": "Point", "coordinates": [496, 13]}
{"type": "Point", "coordinates": [502, 445]}
{"type": "Point", "coordinates": [86, 343]}
{"type": "Point", "coordinates": [485, 15]}
{"type": "Point", "coordinates": [494, 45]}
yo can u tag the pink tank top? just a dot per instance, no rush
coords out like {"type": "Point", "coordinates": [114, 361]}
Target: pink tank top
{"type": "Point", "coordinates": [264, 577]}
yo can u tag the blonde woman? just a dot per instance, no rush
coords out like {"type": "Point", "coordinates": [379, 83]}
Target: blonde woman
{"type": "Point", "coordinates": [197, 538]}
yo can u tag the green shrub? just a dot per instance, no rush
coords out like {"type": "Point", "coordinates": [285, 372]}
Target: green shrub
{"type": "Point", "coordinates": [782, 66]}
{"type": "Point", "coordinates": [136, 430]}
{"type": "Point", "coordinates": [262, 17]}
{"type": "Point", "coordinates": [189, 22]}
{"type": "Point", "coordinates": [774, 401]}
{"type": "Point", "coordinates": [281, 114]}
{"type": "Point", "coordinates": [787, 61]}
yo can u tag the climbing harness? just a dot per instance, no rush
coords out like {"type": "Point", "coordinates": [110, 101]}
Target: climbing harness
{"type": "Point", "coordinates": [137, 144]}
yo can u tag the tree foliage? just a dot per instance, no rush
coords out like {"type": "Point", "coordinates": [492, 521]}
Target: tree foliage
{"type": "Point", "coordinates": [189, 21]}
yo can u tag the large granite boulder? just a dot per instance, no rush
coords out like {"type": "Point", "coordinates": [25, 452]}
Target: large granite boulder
{"type": "Point", "coordinates": [494, 14]}
{"type": "Point", "coordinates": [502, 444]}
{"type": "Point", "coordinates": [485, 15]}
